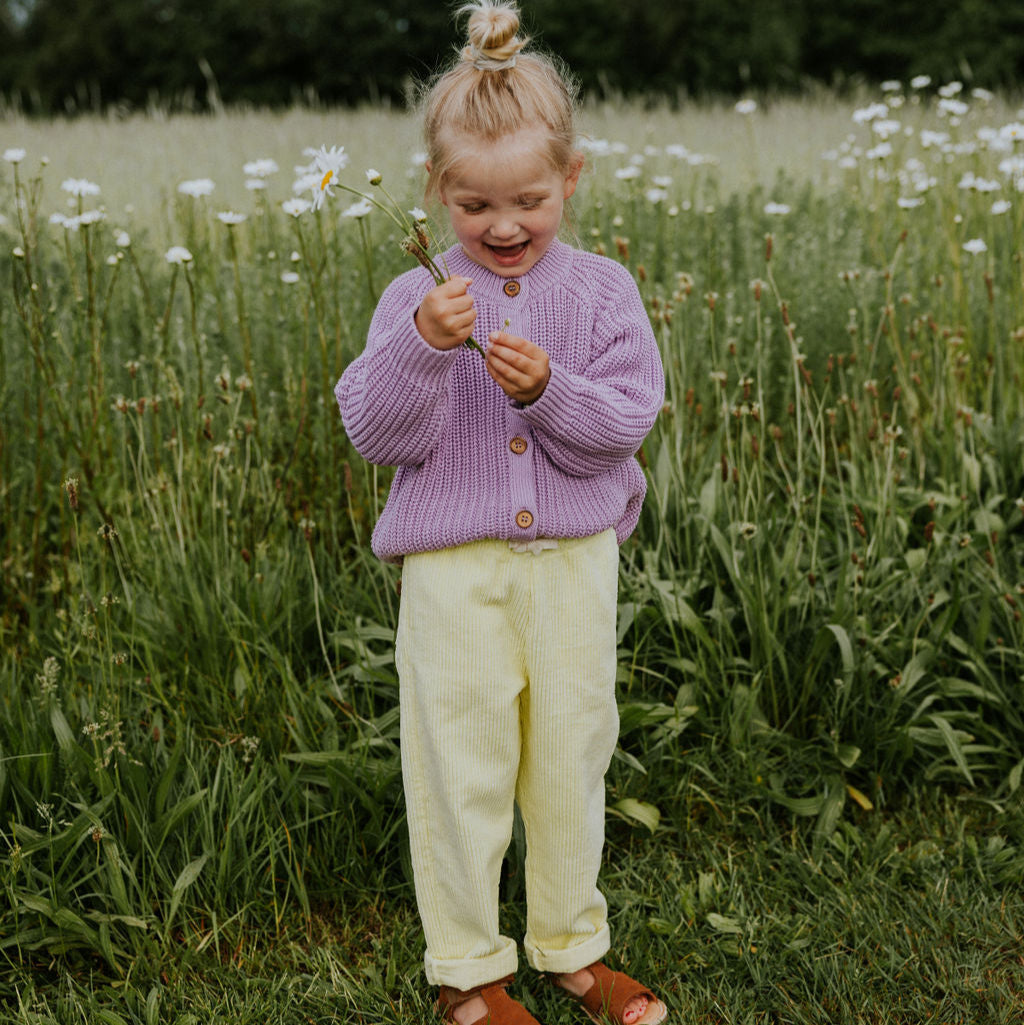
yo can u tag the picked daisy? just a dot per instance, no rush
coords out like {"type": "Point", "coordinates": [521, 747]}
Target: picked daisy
{"type": "Point", "coordinates": [329, 162]}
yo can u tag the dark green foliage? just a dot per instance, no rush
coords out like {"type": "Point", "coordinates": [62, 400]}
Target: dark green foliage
{"type": "Point", "coordinates": [75, 54]}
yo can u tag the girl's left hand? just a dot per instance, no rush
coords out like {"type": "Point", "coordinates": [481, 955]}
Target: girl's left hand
{"type": "Point", "coordinates": [520, 367]}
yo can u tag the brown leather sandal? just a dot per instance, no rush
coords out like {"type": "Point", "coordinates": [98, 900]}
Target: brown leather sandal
{"type": "Point", "coordinates": [605, 1001]}
{"type": "Point", "coordinates": [501, 1008]}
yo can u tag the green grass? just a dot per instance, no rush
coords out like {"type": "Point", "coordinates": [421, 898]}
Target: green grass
{"type": "Point", "coordinates": [911, 918]}
{"type": "Point", "coordinates": [814, 812]}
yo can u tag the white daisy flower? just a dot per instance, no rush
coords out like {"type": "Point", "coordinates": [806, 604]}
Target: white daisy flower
{"type": "Point", "coordinates": [262, 168]}
{"type": "Point", "coordinates": [80, 187]}
{"type": "Point", "coordinates": [329, 162]}
{"type": "Point", "coordinates": [296, 207]}
{"type": "Point", "coordinates": [359, 209]}
{"type": "Point", "coordinates": [197, 187]}
{"type": "Point", "coordinates": [178, 255]}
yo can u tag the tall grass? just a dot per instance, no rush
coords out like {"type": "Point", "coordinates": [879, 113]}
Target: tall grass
{"type": "Point", "coordinates": [200, 728]}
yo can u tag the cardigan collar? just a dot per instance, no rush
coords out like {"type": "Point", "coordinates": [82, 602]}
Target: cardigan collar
{"type": "Point", "coordinates": [546, 273]}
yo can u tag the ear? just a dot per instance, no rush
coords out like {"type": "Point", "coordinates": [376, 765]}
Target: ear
{"type": "Point", "coordinates": [572, 178]}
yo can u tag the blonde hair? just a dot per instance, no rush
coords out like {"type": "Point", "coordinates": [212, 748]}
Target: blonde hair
{"type": "Point", "coordinates": [496, 88]}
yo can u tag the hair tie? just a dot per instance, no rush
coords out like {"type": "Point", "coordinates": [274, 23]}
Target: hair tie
{"type": "Point", "coordinates": [484, 63]}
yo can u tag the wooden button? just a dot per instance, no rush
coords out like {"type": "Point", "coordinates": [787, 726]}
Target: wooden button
{"type": "Point", "coordinates": [518, 445]}
{"type": "Point", "coordinates": [524, 519]}
{"type": "Point", "coordinates": [512, 289]}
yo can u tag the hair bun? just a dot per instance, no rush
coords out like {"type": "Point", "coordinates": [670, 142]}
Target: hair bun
{"type": "Point", "coordinates": [492, 33]}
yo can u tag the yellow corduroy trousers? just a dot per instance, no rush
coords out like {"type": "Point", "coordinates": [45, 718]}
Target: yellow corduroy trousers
{"type": "Point", "coordinates": [506, 663]}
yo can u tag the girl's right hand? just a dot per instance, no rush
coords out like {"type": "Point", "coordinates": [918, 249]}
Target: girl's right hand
{"type": "Point", "coordinates": [446, 315]}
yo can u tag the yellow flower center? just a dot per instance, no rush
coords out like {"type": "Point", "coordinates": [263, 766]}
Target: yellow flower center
{"type": "Point", "coordinates": [326, 180]}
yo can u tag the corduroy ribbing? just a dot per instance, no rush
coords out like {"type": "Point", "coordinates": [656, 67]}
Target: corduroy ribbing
{"type": "Point", "coordinates": [507, 684]}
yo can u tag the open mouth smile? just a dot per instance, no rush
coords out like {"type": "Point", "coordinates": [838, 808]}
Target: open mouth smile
{"type": "Point", "coordinates": [508, 256]}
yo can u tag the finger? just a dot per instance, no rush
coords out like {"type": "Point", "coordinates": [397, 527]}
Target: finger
{"type": "Point", "coordinates": [456, 286]}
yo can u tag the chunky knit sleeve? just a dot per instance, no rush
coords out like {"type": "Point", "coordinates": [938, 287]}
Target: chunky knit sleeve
{"type": "Point", "coordinates": [590, 421]}
{"type": "Point", "coordinates": [393, 398]}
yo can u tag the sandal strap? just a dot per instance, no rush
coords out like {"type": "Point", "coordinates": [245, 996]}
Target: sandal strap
{"type": "Point", "coordinates": [501, 1008]}
{"type": "Point", "coordinates": [611, 992]}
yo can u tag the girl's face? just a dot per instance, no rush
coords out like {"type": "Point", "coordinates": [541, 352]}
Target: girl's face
{"type": "Point", "coordinates": [505, 201]}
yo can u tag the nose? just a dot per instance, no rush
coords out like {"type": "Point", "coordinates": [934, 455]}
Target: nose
{"type": "Point", "coordinates": [504, 226]}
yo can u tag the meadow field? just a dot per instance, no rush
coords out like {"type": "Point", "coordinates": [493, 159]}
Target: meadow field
{"type": "Point", "coordinates": [815, 810]}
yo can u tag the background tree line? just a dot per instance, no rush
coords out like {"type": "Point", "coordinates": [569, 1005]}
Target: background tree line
{"type": "Point", "coordinates": [72, 54]}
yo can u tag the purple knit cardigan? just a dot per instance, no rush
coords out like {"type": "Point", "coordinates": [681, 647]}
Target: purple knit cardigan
{"type": "Point", "coordinates": [472, 463]}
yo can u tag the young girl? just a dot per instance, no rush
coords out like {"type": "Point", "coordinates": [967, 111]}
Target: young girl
{"type": "Point", "coordinates": [515, 483]}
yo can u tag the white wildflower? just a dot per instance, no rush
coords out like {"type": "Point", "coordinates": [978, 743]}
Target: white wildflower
{"type": "Point", "coordinates": [197, 187]}
{"type": "Point", "coordinates": [359, 209]}
{"type": "Point", "coordinates": [955, 108]}
{"type": "Point", "coordinates": [373, 176]}
{"type": "Point", "coordinates": [329, 162]}
{"type": "Point", "coordinates": [865, 115]}
{"type": "Point", "coordinates": [296, 207]}
{"type": "Point", "coordinates": [230, 218]}
{"type": "Point", "coordinates": [975, 246]}
{"type": "Point", "coordinates": [886, 127]}
{"type": "Point", "coordinates": [746, 106]}
{"type": "Point", "coordinates": [920, 82]}
{"type": "Point", "coordinates": [1001, 206]}
{"type": "Point", "coordinates": [930, 138]}
{"type": "Point", "coordinates": [80, 187]}
{"type": "Point", "coordinates": [909, 202]}
{"type": "Point", "coordinates": [951, 89]}
{"type": "Point", "coordinates": [628, 173]}
{"type": "Point", "coordinates": [261, 168]}
{"type": "Point", "coordinates": [289, 277]}
{"type": "Point", "coordinates": [773, 209]}
{"type": "Point", "coordinates": [178, 255]}
{"type": "Point", "coordinates": [14, 156]}
{"type": "Point", "coordinates": [418, 215]}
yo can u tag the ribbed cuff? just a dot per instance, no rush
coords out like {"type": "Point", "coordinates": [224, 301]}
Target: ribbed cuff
{"type": "Point", "coordinates": [470, 972]}
{"type": "Point", "coordinates": [561, 960]}
{"type": "Point", "coordinates": [417, 358]}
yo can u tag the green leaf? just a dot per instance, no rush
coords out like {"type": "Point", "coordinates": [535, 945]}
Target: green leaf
{"type": "Point", "coordinates": [638, 811]}
{"type": "Point", "coordinates": [62, 731]}
{"type": "Point", "coordinates": [848, 755]}
{"type": "Point", "coordinates": [1015, 774]}
{"type": "Point", "coordinates": [949, 735]}
{"type": "Point", "coordinates": [723, 923]}
{"type": "Point", "coordinates": [188, 875]}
